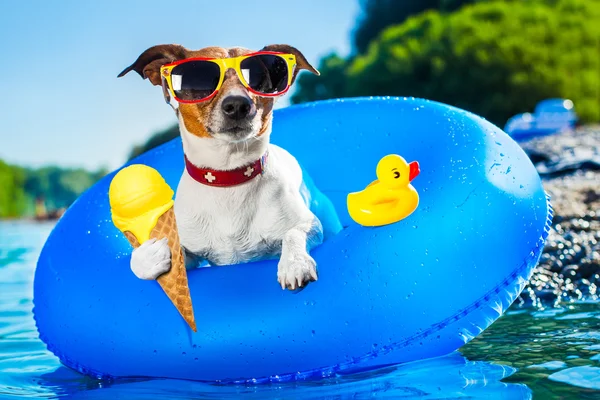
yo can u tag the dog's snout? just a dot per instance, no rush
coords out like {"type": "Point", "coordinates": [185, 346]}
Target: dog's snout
{"type": "Point", "coordinates": [237, 107]}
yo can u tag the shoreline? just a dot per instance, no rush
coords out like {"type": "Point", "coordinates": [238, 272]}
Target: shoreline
{"type": "Point", "coordinates": [569, 268]}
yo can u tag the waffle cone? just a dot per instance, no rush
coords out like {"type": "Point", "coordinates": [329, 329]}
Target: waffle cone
{"type": "Point", "coordinates": [174, 283]}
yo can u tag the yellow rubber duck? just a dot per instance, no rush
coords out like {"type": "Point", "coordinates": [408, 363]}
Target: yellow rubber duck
{"type": "Point", "coordinates": [389, 199]}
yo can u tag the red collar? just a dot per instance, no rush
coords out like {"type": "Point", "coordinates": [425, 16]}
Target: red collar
{"type": "Point", "coordinates": [234, 177]}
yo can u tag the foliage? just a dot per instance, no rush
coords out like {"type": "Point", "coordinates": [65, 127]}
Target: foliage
{"type": "Point", "coordinates": [493, 58]}
{"type": "Point", "coordinates": [58, 187]}
{"type": "Point", "coordinates": [12, 195]}
{"type": "Point", "coordinates": [377, 15]}
{"type": "Point", "coordinates": [330, 84]}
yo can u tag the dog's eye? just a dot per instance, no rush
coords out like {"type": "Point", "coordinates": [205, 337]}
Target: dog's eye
{"type": "Point", "coordinates": [396, 174]}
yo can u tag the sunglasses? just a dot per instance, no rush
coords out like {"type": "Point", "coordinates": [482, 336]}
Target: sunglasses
{"type": "Point", "coordinates": [193, 80]}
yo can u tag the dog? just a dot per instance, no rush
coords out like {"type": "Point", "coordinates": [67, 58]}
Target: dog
{"type": "Point", "coordinates": [240, 198]}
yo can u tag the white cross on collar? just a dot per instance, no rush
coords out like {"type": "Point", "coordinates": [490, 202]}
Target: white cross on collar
{"type": "Point", "coordinates": [249, 171]}
{"type": "Point", "coordinates": [210, 177]}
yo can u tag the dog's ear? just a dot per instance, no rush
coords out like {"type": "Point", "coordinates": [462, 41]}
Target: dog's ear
{"type": "Point", "coordinates": [301, 62]}
{"type": "Point", "coordinates": [149, 62]}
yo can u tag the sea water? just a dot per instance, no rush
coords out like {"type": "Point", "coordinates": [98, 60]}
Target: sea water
{"type": "Point", "coordinates": [541, 353]}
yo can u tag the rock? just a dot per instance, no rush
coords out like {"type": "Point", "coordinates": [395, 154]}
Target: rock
{"type": "Point", "coordinates": [569, 267]}
{"type": "Point", "coordinates": [566, 152]}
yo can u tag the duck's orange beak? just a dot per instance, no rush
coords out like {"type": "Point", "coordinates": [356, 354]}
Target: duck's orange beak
{"type": "Point", "coordinates": [413, 171]}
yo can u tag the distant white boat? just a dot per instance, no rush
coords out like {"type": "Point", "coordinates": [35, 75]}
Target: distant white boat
{"type": "Point", "coordinates": [550, 116]}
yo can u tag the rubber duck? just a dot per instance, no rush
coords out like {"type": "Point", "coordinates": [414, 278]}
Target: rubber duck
{"type": "Point", "coordinates": [390, 198]}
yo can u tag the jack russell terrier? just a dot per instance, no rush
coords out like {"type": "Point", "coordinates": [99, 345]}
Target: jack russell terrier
{"type": "Point", "coordinates": [239, 198]}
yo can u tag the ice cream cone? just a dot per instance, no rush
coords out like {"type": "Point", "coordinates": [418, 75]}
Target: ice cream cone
{"type": "Point", "coordinates": [174, 282]}
{"type": "Point", "coordinates": [142, 208]}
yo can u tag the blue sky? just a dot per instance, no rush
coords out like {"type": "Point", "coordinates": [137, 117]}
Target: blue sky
{"type": "Point", "coordinates": [61, 102]}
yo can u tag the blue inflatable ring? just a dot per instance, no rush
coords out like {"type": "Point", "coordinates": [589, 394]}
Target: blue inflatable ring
{"type": "Point", "coordinates": [419, 288]}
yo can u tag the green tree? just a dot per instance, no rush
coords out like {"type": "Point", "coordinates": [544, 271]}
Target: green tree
{"type": "Point", "coordinates": [377, 15]}
{"type": "Point", "coordinates": [12, 196]}
{"type": "Point", "coordinates": [59, 187]}
{"type": "Point", "coordinates": [331, 83]}
{"type": "Point", "coordinates": [494, 58]}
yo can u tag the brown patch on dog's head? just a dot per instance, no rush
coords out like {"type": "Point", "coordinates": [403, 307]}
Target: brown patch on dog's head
{"type": "Point", "coordinates": [149, 62]}
{"type": "Point", "coordinates": [202, 119]}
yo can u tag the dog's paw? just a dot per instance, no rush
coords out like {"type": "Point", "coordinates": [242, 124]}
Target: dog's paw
{"type": "Point", "coordinates": [296, 272]}
{"type": "Point", "coordinates": [151, 259]}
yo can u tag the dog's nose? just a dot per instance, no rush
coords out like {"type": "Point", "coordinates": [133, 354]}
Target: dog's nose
{"type": "Point", "coordinates": [237, 107]}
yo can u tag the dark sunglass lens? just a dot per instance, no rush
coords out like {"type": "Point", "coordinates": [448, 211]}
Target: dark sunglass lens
{"type": "Point", "coordinates": [195, 80]}
{"type": "Point", "coordinates": [265, 73]}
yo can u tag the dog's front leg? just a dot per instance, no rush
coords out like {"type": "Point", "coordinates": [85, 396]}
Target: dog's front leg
{"type": "Point", "coordinates": [151, 259]}
{"type": "Point", "coordinates": [296, 267]}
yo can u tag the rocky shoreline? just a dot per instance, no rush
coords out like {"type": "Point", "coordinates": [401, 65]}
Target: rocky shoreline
{"type": "Point", "coordinates": [569, 269]}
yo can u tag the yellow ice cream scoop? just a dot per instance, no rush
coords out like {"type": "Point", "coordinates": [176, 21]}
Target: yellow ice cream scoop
{"type": "Point", "coordinates": [138, 196]}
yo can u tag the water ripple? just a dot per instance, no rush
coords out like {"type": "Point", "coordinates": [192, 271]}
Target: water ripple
{"type": "Point", "coordinates": [550, 354]}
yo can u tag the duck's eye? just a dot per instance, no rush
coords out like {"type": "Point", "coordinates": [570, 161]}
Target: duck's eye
{"type": "Point", "coordinates": [396, 174]}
